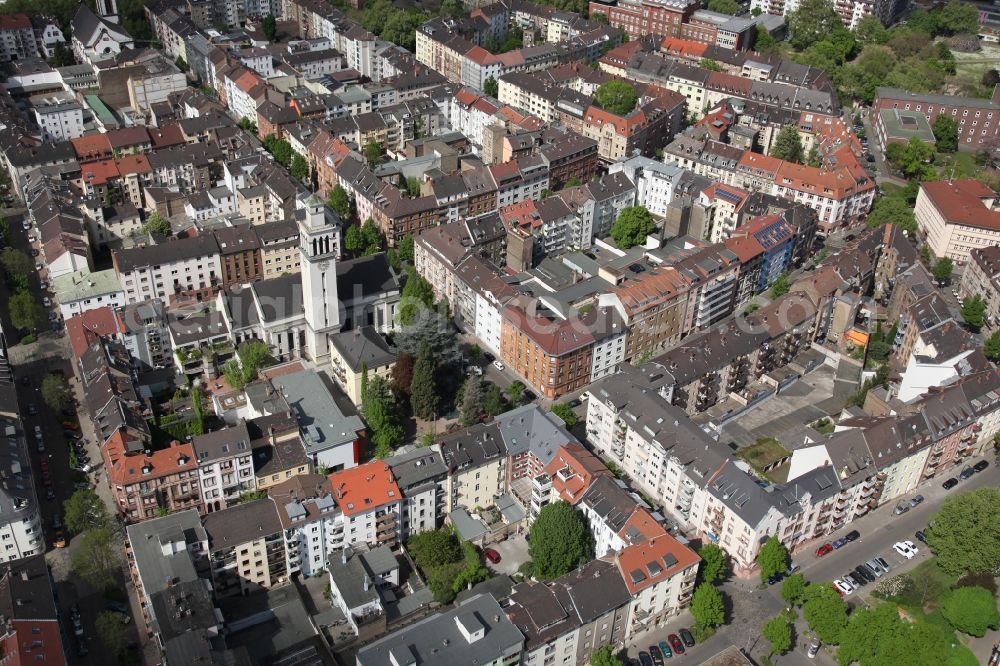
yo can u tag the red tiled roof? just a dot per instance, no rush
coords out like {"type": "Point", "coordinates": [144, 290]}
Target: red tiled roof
{"type": "Point", "coordinates": [130, 164]}
{"type": "Point", "coordinates": [683, 47]}
{"type": "Point", "coordinates": [92, 146]}
{"type": "Point", "coordinates": [168, 135]}
{"type": "Point", "coordinates": [657, 552]}
{"type": "Point", "coordinates": [960, 202]}
{"type": "Point", "coordinates": [364, 488]}
{"type": "Point", "coordinates": [128, 137]}
{"type": "Point", "coordinates": [15, 22]}
{"type": "Point", "coordinates": [98, 173]}
{"type": "Point", "coordinates": [745, 247]}
{"type": "Point", "coordinates": [84, 327]}
{"type": "Point", "coordinates": [126, 470]}
{"type": "Point", "coordinates": [572, 470]}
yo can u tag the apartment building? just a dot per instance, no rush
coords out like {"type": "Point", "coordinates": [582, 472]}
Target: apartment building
{"type": "Point", "coordinates": [566, 620]}
{"type": "Point", "coordinates": [225, 466]}
{"type": "Point", "coordinates": [981, 277]}
{"type": "Point", "coordinates": [646, 17]}
{"type": "Point", "coordinates": [246, 548]}
{"type": "Point", "coordinates": [279, 248]}
{"type": "Point", "coordinates": [313, 524]}
{"type": "Point", "coordinates": [31, 632]}
{"type": "Point", "coordinates": [422, 479]}
{"type": "Point", "coordinates": [21, 528]}
{"type": "Point", "coordinates": [17, 38]}
{"type": "Point", "coordinates": [956, 217]}
{"type": "Point", "coordinates": [356, 352]}
{"type": "Point", "coordinates": [187, 266]}
{"type": "Point", "coordinates": [145, 482]}
{"type": "Point", "coordinates": [476, 458]}
{"type": "Point", "coordinates": [978, 120]}
{"type": "Point", "coordinates": [239, 254]}
{"type": "Point", "coordinates": [371, 503]}
{"type": "Point", "coordinates": [850, 11]}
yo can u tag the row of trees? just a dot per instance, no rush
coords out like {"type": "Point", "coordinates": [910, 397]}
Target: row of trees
{"type": "Point", "coordinates": [250, 359]}
{"type": "Point", "coordinates": [448, 565]}
{"type": "Point", "coordinates": [26, 313]}
{"type": "Point", "coordinates": [283, 154]}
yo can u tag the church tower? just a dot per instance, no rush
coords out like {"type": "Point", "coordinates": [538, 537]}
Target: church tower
{"type": "Point", "coordinates": [318, 250]}
{"type": "Point", "coordinates": [107, 10]}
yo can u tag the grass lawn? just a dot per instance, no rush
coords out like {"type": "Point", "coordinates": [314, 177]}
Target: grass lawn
{"type": "Point", "coordinates": [963, 165]}
{"type": "Point", "coordinates": [929, 584]}
{"type": "Point", "coordinates": [766, 451]}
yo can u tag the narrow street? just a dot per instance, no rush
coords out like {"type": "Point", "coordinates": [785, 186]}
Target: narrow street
{"type": "Point", "coordinates": [31, 364]}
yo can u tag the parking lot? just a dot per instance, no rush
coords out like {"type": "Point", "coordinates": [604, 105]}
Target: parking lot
{"type": "Point", "coordinates": [513, 553]}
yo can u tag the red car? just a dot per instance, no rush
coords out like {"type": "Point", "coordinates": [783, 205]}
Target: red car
{"type": "Point", "coordinates": [492, 555]}
{"type": "Point", "coordinates": [70, 425]}
{"type": "Point", "coordinates": [823, 550]}
{"type": "Point", "coordinates": [676, 644]}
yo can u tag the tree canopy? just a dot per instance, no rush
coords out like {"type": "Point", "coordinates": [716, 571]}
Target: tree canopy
{"type": "Point", "coordinates": [713, 563]}
{"type": "Point", "coordinates": [374, 154]}
{"type": "Point", "coordinates": [812, 22]}
{"type": "Point", "coordinates": [788, 145]}
{"type": "Point", "coordinates": [560, 541]}
{"type": "Point", "coordinates": [157, 224]}
{"type": "Point", "coordinates": [725, 7]}
{"type": "Point", "coordinates": [772, 558]}
{"type": "Point", "coordinates": [25, 312]}
{"type": "Point", "coordinates": [991, 348]}
{"type": "Point", "coordinates": [340, 202]}
{"type": "Point", "coordinates": [943, 268]}
{"type": "Point", "coordinates": [299, 168]}
{"type": "Point", "coordinates": [381, 413]}
{"type": "Point", "coordinates": [971, 610]}
{"type": "Point", "coordinates": [634, 223]}
{"type": "Point", "coordinates": [617, 97]}
{"type": "Point", "coordinates": [945, 133]}
{"type": "Point", "coordinates": [250, 359]}
{"type": "Point", "coordinates": [793, 588]}
{"type": "Point", "coordinates": [111, 631]}
{"type": "Point", "coordinates": [778, 632]}
{"type": "Point", "coordinates": [892, 210]}
{"type": "Point", "coordinates": [707, 606]}
{"type": "Point", "coordinates": [56, 392]}
{"type": "Point", "coordinates": [911, 159]}
{"type": "Point", "coordinates": [97, 558]}
{"type": "Point", "coordinates": [424, 398]}
{"type": "Point", "coordinates": [565, 412]}
{"type": "Point", "coordinates": [824, 611]}
{"type": "Point", "coordinates": [491, 87]}
{"type": "Point", "coordinates": [434, 548]}
{"type": "Point", "coordinates": [84, 510]}
{"type": "Point", "coordinates": [269, 27]}
{"type": "Point", "coordinates": [974, 311]}
{"type": "Point", "coordinates": [965, 532]}
{"type": "Point", "coordinates": [604, 656]}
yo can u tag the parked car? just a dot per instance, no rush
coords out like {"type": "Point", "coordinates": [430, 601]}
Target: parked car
{"type": "Point", "coordinates": [921, 536]}
{"type": "Point", "coordinates": [665, 649]}
{"type": "Point", "coordinates": [853, 535]}
{"type": "Point", "coordinates": [654, 652]}
{"type": "Point", "coordinates": [687, 638]}
{"type": "Point", "coordinates": [843, 587]}
{"type": "Point", "coordinates": [676, 644]}
{"type": "Point", "coordinates": [823, 550]}
{"type": "Point", "coordinates": [950, 483]}
{"type": "Point", "coordinates": [874, 566]}
{"type": "Point", "coordinates": [980, 466]}
{"type": "Point", "coordinates": [917, 500]}
{"type": "Point", "coordinates": [498, 365]}
{"type": "Point", "coordinates": [905, 548]}
{"type": "Point", "coordinates": [901, 508]}
{"type": "Point", "coordinates": [882, 563]}
{"type": "Point", "coordinates": [59, 541]}
{"type": "Point", "coordinates": [813, 649]}
{"type": "Point", "coordinates": [492, 555]}
{"type": "Point", "coordinates": [70, 425]}
{"type": "Point", "coordinates": [50, 494]}
{"type": "Point", "coordinates": [575, 402]}
{"type": "Point", "coordinates": [839, 543]}
{"type": "Point", "coordinates": [645, 659]}
{"type": "Point", "coordinates": [47, 302]}
{"type": "Point", "coordinates": [32, 410]}
{"type": "Point", "coordinates": [966, 473]}
{"type": "Point", "coordinates": [43, 285]}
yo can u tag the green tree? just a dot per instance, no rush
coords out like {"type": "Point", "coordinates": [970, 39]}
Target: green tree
{"type": "Point", "coordinates": [974, 311]}
{"type": "Point", "coordinates": [560, 541]}
{"type": "Point", "coordinates": [157, 224]}
{"type": "Point", "coordinates": [423, 389]}
{"type": "Point", "coordinates": [417, 295]}
{"type": "Point", "coordinates": [634, 223]}
{"type": "Point", "coordinates": [433, 329]}
{"type": "Point", "coordinates": [912, 160]}
{"type": "Point", "coordinates": [62, 56]}
{"type": "Point", "coordinates": [788, 145]}
{"type": "Point", "coordinates": [892, 210]}
{"type": "Point", "coordinates": [943, 268]}
{"type": "Point", "coordinates": [778, 632]}
{"type": "Point", "coordinates": [15, 262]}
{"type": "Point", "coordinates": [269, 27]}
{"type": "Point", "coordinates": [781, 286]}
{"type": "Point", "coordinates": [353, 241]}
{"type": "Point", "coordinates": [406, 248]}
{"type": "Point", "coordinates": [793, 588]}
{"type": "Point", "coordinates": [434, 548]}
{"type": "Point", "coordinates": [764, 42]}
{"type": "Point", "coordinates": [282, 151]}
{"type": "Point", "coordinates": [473, 397]}
{"type": "Point", "coordinates": [84, 510]}
{"type": "Point", "coordinates": [516, 392]}
{"type": "Point", "coordinates": [453, 8]}
{"type": "Point", "coordinates": [374, 154]}
{"type": "Point", "coordinates": [370, 237]}
{"type": "Point", "coordinates": [879, 637]}
{"type": "Point", "coordinates": [871, 31]}
{"type": "Point", "coordinates": [340, 202]}
{"type": "Point", "coordinates": [824, 611]}
{"type": "Point", "coordinates": [617, 97]}
{"type": "Point", "coordinates": [251, 358]}
{"type": "Point", "coordinates": [814, 159]}
{"type": "Point", "coordinates": [111, 631]}
{"type": "Point", "coordinates": [711, 65]}
{"type": "Point", "coordinates": [713, 563]}
{"type": "Point", "coordinates": [605, 655]}
{"type": "Point", "coordinates": [812, 22]}
{"type": "Point", "coordinates": [25, 312]}
{"type": "Point", "coordinates": [971, 610]}
{"type": "Point", "coordinates": [247, 125]}
{"type": "Point", "coordinates": [945, 133]}
{"type": "Point", "coordinates": [992, 346]}
{"type": "Point", "coordinates": [413, 186]}
{"type": "Point", "coordinates": [494, 402]}
{"type": "Point", "coordinates": [725, 7]}
{"type": "Point", "coordinates": [491, 87]}
{"type": "Point", "coordinates": [965, 532]}
{"type": "Point", "coordinates": [707, 606]}
{"type": "Point", "coordinates": [299, 168]}
{"type": "Point", "coordinates": [565, 412]}
{"type": "Point", "coordinates": [958, 17]}
{"type": "Point", "coordinates": [378, 406]}
{"type": "Point", "coordinates": [772, 558]}
{"type": "Point", "coordinates": [56, 392]}
{"type": "Point", "coordinates": [97, 558]}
